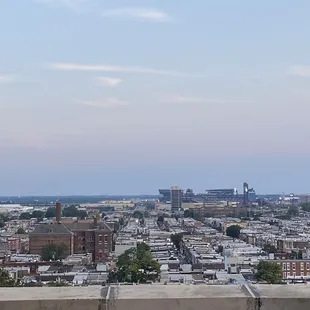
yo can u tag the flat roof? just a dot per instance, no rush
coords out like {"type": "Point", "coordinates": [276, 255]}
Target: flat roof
{"type": "Point", "coordinates": [154, 291]}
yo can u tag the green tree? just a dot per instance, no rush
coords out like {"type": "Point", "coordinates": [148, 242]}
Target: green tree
{"type": "Point", "coordinates": [39, 215]}
{"type": "Point", "coordinates": [135, 265]}
{"type": "Point", "coordinates": [121, 221]}
{"type": "Point", "coordinates": [25, 216]}
{"type": "Point", "coordinates": [137, 214]}
{"type": "Point", "coordinates": [198, 216]}
{"type": "Point", "coordinates": [269, 272]}
{"type": "Point", "coordinates": [73, 211]}
{"type": "Point", "coordinates": [4, 218]}
{"type": "Point", "coordinates": [269, 248]}
{"type": "Point", "coordinates": [20, 231]}
{"type": "Point", "coordinates": [50, 212]}
{"type": "Point", "coordinates": [233, 231]}
{"type": "Point", "coordinates": [150, 205]}
{"type": "Point", "coordinates": [296, 255]}
{"type": "Point", "coordinates": [293, 211]}
{"type": "Point", "coordinates": [177, 239]}
{"type": "Point", "coordinates": [6, 280]}
{"type": "Point", "coordinates": [305, 206]}
{"type": "Point", "coordinates": [146, 214]}
{"type": "Point", "coordinates": [54, 252]}
{"type": "Point", "coordinates": [160, 220]}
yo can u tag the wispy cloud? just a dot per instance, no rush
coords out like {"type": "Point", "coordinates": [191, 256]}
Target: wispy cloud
{"type": "Point", "coordinates": [75, 5]}
{"type": "Point", "coordinates": [303, 71]}
{"type": "Point", "coordinates": [7, 79]}
{"type": "Point", "coordinates": [106, 103]}
{"type": "Point", "coordinates": [108, 81]}
{"type": "Point", "coordinates": [145, 14]}
{"type": "Point", "coordinates": [109, 68]}
{"type": "Point", "coordinates": [196, 100]}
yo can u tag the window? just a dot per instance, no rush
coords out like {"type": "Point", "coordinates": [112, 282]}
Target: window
{"type": "Point", "coordinates": [302, 274]}
{"type": "Point", "coordinates": [100, 238]}
{"type": "Point", "coordinates": [288, 266]}
{"type": "Point", "coordinates": [308, 266]}
{"type": "Point", "coordinates": [284, 275]}
{"type": "Point", "coordinates": [302, 266]}
{"type": "Point", "coordinates": [105, 238]}
{"type": "Point", "coordinates": [284, 266]}
{"type": "Point", "coordinates": [294, 274]}
{"type": "Point", "coordinates": [294, 266]}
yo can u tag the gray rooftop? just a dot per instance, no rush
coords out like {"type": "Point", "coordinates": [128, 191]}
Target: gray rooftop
{"type": "Point", "coordinates": [53, 229]}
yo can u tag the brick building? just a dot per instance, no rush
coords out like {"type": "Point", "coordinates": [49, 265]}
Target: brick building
{"type": "Point", "coordinates": [79, 236]}
{"type": "Point", "coordinates": [45, 234]}
{"type": "Point", "coordinates": [92, 236]}
{"type": "Point", "coordinates": [295, 268]}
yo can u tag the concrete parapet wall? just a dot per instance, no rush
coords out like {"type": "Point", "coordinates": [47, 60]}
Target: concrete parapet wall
{"type": "Point", "coordinates": [158, 297]}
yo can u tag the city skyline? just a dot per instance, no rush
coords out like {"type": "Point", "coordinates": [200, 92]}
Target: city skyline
{"type": "Point", "coordinates": [130, 96]}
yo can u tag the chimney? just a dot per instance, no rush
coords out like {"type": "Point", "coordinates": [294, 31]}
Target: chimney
{"type": "Point", "coordinates": [95, 221]}
{"type": "Point", "coordinates": [58, 212]}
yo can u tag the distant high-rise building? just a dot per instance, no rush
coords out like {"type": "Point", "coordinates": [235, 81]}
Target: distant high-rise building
{"type": "Point", "coordinates": [176, 198]}
{"type": "Point", "coordinates": [228, 194]}
{"type": "Point", "coordinates": [246, 192]}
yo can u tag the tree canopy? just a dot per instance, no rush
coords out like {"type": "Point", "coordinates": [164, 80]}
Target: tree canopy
{"type": "Point", "coordinates": [189, 213]}
{"type": "Point", "coordinates": [71, 211]}
{"type": "Point", "coordinates": [150, 205]}
{"type": "Point", "coordinates": [50, 212]}
{"type": "Point", "coordinates": [121, 221]}
{"type": "Point", "coordinates": [6, 280]}
{"type": "Point", "coordinates": [54, 252]}
{"type": "Point", "coordinates": [293, 211]}
{"type": "Point", "coordinates": [195, 215]}
{"type": "Point", "coordinates": [39, 215]}
{"type": "Point", "coordinates": [176, 239]}
{"type": "Point", "coordinates": [135, 265]}
{"type": "Point", "coordinates": [3, 219]}
{"type": "Point", "coordinates": [20, 231]}
{"type": "Point", "coordinates": [160, 220]}
{"type": "Point", "coordinates": [137, 214]}
{"type": "Point", "coordinates": [305, 206]}
{"type": "Point", "coordinates": [269, 272]}
{"type": "Point", "coordinates": [25, 216]}
{"type": "Point", "coordinates": [270, 248]}
{"type": "Point", "coordinates": [233, 231]}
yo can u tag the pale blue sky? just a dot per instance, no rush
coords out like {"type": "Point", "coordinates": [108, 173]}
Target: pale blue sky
{"type": "Point", "coordinates": [123, 96]}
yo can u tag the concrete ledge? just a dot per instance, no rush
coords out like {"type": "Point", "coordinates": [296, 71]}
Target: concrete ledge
{"type": "Point", "coordinates": [156, 297]}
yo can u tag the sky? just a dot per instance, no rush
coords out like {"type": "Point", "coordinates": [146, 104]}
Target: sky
{"type": "Point", "coordinates": [128, 96]}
